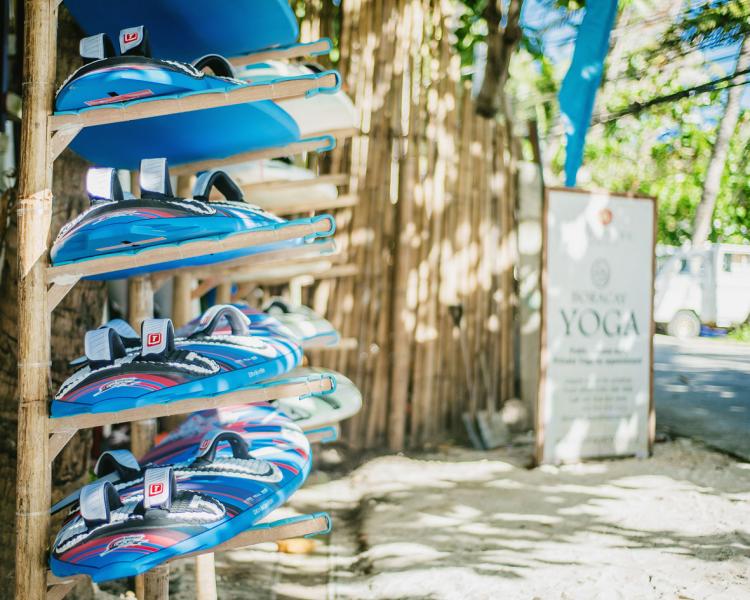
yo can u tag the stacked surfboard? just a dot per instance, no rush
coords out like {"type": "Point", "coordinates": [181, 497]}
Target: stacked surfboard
{"type": "Point", "coordinates": [227, 467]}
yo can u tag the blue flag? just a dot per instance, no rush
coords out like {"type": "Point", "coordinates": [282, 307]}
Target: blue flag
{"type": "Point", "coordinates": [582, 80]}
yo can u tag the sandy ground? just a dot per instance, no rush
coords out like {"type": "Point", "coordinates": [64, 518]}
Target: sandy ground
{"type": "Point", "coordinates": [468, 525]}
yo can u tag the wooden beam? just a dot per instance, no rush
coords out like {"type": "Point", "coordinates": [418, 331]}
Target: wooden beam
{"type": "Point", "coordinates": [155, 584]}
{"type": "Point", "coordinates": [302, 206]}
{"type": "Point", "coordinates": [59, 591]}
{"type": "Point", "coordinates": [66, 273]}
{"type": "Point", "coordinates": [205, 577]}
{"type": "Point", "coordinates": [310, 144]}
{"type": "Point", "coordinates": [336, 179]}
{"type": "Point", "coordinates": [61, 140]}
{"type": "Point", "coordinates": [306, 526]}
{"type": "Point", "coordinates": [309, 273]}
{"type": "Point", "coordinates": [56, 293]}
{"type": "Point", "coordinates": [288, 386]}
{"type": "Point", "coordinates": [34, 477]}
{"type": "Point", "coordinates": [224, 292]}
{"type": "Point", "coordinates": [316, 251]}
{"type": "Point", "coordinates": [231, 270]}
{"type": "Point", "coordinates": [181, 300]}
{"type": "Point", "coordinates": [316, 48]}
{"type": "Point", "coordinates": [133, 111]}
{"type": "Point", "coordinates": [57, 442]}
{"type": "Point", "coordinates": [324, 434]}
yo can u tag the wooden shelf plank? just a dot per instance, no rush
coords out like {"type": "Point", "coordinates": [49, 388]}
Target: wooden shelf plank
{"type": "Point", "coordinates": [66, 273]}
{"type": "Point", "coordinates": [324, 434]}
{"type": "Point", "coordinates": [310, 144]}
{"type": "Point", "coordinates": [132, 111]}
{"type": "Point", "coordinates": [308, 273]}
{"type": "Point", "coordinates": [316, 48]}
{"type": "Point", "coordinates": [287, 386]}
{"type": "Point", "coordinates": [284, 256]}
{"type": "Point", "coordinates": [284, 529]}
{"type": "Point", "coordinates": [302, 206]}
{"type": "Point", "coordinates": [336, 179]}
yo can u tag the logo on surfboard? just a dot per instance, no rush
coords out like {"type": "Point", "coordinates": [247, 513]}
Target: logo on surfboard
{"type": "Point", "coordinates": [126, 541]}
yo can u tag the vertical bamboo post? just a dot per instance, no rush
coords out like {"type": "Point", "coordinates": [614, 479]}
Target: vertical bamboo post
{"type": "Point", "coordinates": [153, 585]}
{"type": "Point", "coordinates": [34, 214]}
{"type": "Point", "coordinates": [205, 577]}
{"type": "Point", "coordinates": [140, 308]}
{"type": "Point", "coordinates": [182, 285]}
{"type": "Point", "coordinates": [224, 293]}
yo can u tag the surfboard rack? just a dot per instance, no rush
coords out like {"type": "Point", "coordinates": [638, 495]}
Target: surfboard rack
{"type": "Point", "coordinates": [273, 531]}
{"type": "Point", "coordinates": [41, 287]}
{"type": "Point", "coordinates": [62, 429]}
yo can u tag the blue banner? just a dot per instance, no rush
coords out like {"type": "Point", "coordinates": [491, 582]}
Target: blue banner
{"type": "Point", "coordinates": [578, 91]}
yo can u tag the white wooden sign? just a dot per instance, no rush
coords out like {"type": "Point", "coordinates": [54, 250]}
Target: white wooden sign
{"type": "Point", "coordinates": [596, 386]}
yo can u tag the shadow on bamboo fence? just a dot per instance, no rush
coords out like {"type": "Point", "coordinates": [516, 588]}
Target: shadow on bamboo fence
{"type": "Point", "coordinates": [432, 235]}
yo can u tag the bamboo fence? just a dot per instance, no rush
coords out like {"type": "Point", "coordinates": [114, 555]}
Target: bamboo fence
{"type": "Point", "coordinates": [431, 236]}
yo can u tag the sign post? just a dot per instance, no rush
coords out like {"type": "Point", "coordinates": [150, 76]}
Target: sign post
{"type": "Point", "coordinates": [596, 385]}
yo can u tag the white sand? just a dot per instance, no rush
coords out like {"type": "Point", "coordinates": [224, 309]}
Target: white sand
{"type": "Point", "coordinates": [470, 525]}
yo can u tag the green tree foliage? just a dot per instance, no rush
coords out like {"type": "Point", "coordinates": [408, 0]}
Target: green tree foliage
{"type": "Point", "coordinates": [664, 150]}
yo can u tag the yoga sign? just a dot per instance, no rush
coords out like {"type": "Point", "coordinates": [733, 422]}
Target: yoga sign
{"type": "Point", "coordinates": [595, 393]}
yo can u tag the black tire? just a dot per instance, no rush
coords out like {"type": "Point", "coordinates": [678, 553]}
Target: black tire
{"type": "Point", "coordinates": [685, 324]}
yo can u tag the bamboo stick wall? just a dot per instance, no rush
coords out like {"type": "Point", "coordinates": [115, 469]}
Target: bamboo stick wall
{"type": "Point", "coordinates": [433, 229]}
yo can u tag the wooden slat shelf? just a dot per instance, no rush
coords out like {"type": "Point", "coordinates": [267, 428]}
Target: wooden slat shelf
{"type": "Point", "coordinates": [315, 251]}
{"type": "Point", "coordinates": [284, 387]}
{"type": "Point", "coordinates": [295, 527]}
{"type": "Point", "coordinates": [316, 48]}
{"type": "Point", "coordinates": [279, 270]}
{"type": "Point", "coordinates": [273, 185]}
{"type": "Point", "coordinates": [67, 275]}
{"type": "Point", "coordinates": [302, 206]}
{"type": "Point", "coordinates": [321, 143]}
{"type": "Point", "coordinates": [146, 109]}
{"type": "Point", "coordinates": [64, 127]}
{"type": "Point", "coordinates": [308, 273]}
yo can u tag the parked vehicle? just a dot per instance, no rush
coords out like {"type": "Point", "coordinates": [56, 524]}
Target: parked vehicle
{"type": "Point", "coordinates": [694, 286]}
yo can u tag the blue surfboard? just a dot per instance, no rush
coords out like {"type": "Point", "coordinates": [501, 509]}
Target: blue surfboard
{"type": "Point", "coordinates": [186, 29]}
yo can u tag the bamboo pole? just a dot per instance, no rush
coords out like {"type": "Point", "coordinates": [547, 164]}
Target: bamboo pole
{"type": "Point", "coordinates": [153, 585]}
{"type": "Point", "coordinates": [182, 286]}
{"type": "Point", "coordinates": [34, 213]}
{"type": "Point", "coordinates": [205, 577]}
{"type": "Point", "coordinates": [224, 293]}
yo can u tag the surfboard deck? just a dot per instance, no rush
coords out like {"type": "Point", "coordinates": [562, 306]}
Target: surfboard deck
{"type": "Point", "coordinates": [187, 29]}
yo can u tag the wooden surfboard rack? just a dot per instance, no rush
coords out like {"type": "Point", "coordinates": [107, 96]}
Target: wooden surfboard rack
{"type": "Point", "coordinates": [42, 287]}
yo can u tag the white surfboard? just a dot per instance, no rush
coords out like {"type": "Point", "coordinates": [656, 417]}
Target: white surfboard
{"type": "Point", "coordinates": [314, 115]}
{"type": "Point", "coordinates": [311, 329]}
{"type": "Point", "coordinates": [318, 411]}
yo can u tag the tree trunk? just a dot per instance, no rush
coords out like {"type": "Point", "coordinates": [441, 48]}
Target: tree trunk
{"type": "Point", "coordinates": [500, 47]}
{"type": "Point", "coordinates": [80, 310]}
{"type": "Point", "coordinates": [703, 223]}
